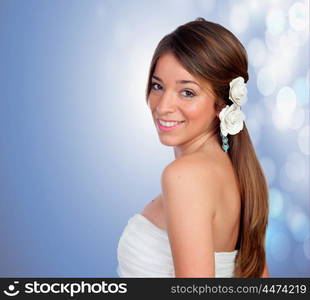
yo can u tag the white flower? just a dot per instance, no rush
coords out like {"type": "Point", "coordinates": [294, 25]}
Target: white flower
{"type": "Point", "coordinates": [231, 119]}
{"type": "Point", "coordinates": [237, 91]}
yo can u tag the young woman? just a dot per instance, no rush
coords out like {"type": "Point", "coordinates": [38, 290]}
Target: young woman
{"type": "Point", "coordinates": [211, 216]}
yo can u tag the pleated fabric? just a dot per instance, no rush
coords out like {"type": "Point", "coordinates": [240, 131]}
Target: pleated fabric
{"type": "Point", "coordinates": [144, 251]}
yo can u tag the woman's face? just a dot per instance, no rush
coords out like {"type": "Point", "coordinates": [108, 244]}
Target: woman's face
{"type": "Point", "coordinates": [178, 96]}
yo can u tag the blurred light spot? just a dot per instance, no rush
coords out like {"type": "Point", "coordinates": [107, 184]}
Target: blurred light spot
{"type": "Point", "coordinates": [298, 223]}
{"type": "Point", "coordinates": [287, 204]}
{"type": "Point", "coordinates": [301, 87]}
{"type": "Point", "coordinates": [280, 246]}
{"type": "Point", "coordinates": [290, 42]}
{"type": "Point", "coordinates": [304, 140]}
{"type": "Point", "coordinates": [297, 118]}
{"type": "Point", "coordinates": [239, 17]}
{"type": "Point", "coordinates": [286, 183]}
{"type": "Point", "coordinates": [306, 247]}
{"type": "Point", "coordinates": [266, 81]}
{"type": "Point", "coordinates": [297, 16]}
{"type": "Point", "coordinates": [257, 52]}
{"type": "Point", "coordinates": [285, 106]}
{"type": "Point", "coordinates": [282, 203]}
{"type": "Point", "coordinates": [272, 42]}
{"type": "Point", "coordinates": [275, 21]}
{"type": "Point", "coordinates": [286, 100]}
{"type": "Point", "coordinates": [281, 121]}
{"type": "Point", "coordinates": [276, 202]}
{"type": "Point", "coordinates": [295, 167]}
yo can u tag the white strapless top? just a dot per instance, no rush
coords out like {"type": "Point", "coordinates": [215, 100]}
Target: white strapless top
{"type": "Point", "coordinates": [144, 251]}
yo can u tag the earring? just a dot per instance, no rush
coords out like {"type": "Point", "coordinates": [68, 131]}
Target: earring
{"type": "Point", "coordinates": [225, 145]}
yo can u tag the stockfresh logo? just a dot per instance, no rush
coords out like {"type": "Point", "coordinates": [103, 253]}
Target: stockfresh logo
{"type": "Point", "coordinates": [11, 290]}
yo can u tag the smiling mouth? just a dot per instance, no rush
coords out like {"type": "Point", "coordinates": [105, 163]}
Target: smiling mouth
{"type": "Point", "coordinates": [168, 126]}
{"type": "Point", "coordinates": [169, 123]}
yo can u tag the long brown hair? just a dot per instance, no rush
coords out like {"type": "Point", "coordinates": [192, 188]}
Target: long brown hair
{"type": "Point", "coordinates": [211, 52]}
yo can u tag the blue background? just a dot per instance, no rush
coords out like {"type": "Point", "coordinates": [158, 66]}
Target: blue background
{"type": "Point", "coordinates": [79, 151]}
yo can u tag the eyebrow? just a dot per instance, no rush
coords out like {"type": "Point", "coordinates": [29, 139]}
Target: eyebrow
{"type": "Point", "coordinates": [178, 81]}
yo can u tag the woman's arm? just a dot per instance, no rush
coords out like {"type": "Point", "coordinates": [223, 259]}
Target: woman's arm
{"type": "Point", "coordinates": [189, 193]}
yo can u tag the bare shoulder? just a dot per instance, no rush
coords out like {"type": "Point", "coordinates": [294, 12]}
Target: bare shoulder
{"type": "Point", "coordinates": [193, 170]}
{"type": "Point", "coordinates": [190, 192]}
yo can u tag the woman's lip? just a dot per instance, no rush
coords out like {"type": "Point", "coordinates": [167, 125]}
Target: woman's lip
{"type": "Point", "coordinates": [165, 128]}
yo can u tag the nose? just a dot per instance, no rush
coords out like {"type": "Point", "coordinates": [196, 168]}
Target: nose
{"type": "Point", "coordinates": [166, 104]}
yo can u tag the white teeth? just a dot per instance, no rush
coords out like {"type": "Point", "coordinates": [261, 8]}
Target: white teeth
{"type": "Point", "coordinates": [168, 124]}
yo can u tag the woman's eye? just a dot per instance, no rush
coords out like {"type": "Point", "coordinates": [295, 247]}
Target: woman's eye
{"type": "Point", "coordinates": [189, 94]}
{"type": "Point", "coordinates": [154, 86]}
